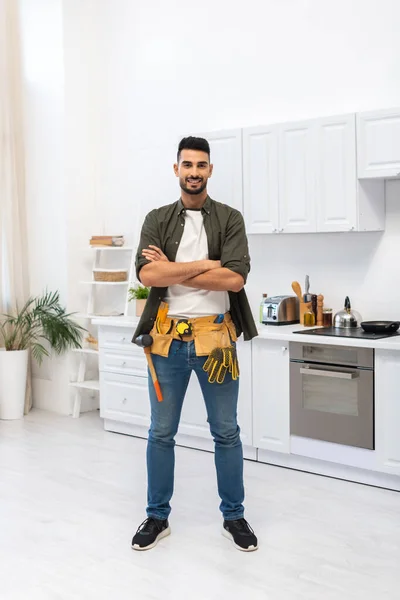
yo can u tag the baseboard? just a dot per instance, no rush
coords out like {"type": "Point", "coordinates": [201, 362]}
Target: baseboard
{"type": "Point", "coordinates": [328, 469]}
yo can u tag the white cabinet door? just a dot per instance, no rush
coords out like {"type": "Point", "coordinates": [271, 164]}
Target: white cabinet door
{"type": "Point", "coordinates": [260, 179]}
{"type": "Point", "coordinates": [378, 144]}
{"type": "Point", "coordinates": [336, 177]}
{"type": "Point", "coordinates": [271, 422]}
{"type": "Point", "coordinates": [387, 411]}
{"type": "Point", "coordinates": [225, 184]}
{"type": "Point", "coordinates": [194, 415]}
{"type": "Point", "coordinates": [297, 171]}
{"type": "Point", "coordinates": [124, 398]}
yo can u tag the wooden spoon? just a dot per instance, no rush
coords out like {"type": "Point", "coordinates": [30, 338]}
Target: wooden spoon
{"type": "Point", "coordinates": [296, 287]}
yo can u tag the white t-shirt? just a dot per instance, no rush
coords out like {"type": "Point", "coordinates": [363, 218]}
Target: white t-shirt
{"type": "Point", "coordinates": [186, 302]}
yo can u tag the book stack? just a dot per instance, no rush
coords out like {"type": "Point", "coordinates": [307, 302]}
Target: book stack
{"type": "Point", "coordinates": [107, 240]}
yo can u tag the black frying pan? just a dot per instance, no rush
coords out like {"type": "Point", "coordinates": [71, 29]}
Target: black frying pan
{"type": "Point", "coordinates": [380, 326]}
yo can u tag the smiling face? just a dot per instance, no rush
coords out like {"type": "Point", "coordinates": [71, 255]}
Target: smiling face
{"type": "Point", "coordinates": [194, 170]}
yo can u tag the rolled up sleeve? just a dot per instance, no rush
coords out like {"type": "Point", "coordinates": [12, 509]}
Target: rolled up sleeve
{"type": "Point", "coordinates": [235, 249]}
{"type": "Point", "coordinates": [149, 235]}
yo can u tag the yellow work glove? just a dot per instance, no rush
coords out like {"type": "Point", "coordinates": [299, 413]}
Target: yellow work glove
{"type": "Point", "coordinates": [220, 361]}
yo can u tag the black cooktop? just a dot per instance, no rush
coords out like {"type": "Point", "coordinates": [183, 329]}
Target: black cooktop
{"type": "Point", "coordinates": [356, 332]}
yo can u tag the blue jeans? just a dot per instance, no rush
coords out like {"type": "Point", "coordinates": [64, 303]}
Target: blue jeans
{"type": "Point", "coordinates": [221, 403]}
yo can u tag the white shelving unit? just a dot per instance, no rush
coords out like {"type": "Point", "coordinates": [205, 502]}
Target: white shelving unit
{"type": "Point", "coordinates": [82, 383]}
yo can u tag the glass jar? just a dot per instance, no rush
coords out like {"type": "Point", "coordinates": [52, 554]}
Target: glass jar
{"type": "Point", "coordinates": [327, 317]}
{"type": "Point", "coordinates": [309, 318]}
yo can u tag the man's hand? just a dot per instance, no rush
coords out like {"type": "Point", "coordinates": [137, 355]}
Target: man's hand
{"type": "Point", "coordinates": [154, 254]}
{"type": "Point", "coordinates": [161, 272]}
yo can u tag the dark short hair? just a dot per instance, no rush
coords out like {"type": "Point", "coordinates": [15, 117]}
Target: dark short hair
{"type": "Point", "coordinates": [193, 143]}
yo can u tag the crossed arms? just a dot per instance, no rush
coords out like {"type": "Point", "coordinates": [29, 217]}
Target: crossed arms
{"type": "Point", "coordinates": [199, 274]}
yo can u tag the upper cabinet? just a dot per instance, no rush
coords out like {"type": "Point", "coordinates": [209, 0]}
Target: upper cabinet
{"type": "Point", "coordinates": [336, 179]}
{"type": "Point", "coordinates": [297, 159]}
{"type": "Point", "coordinates": [260, 184]}
{"type": "Point", "coordinates": [378, 144]}
{"type": "Point", "coordinates": [225, 184]}
{"type": "Point", "coordinates": [301, 178]}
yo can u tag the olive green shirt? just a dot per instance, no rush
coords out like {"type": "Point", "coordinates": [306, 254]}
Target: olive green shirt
{"type": "Point", "coordinates": [226, 238]}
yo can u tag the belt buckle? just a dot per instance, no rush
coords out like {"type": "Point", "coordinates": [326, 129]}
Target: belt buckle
{"type": "Point", "coordinates": [183, 328]}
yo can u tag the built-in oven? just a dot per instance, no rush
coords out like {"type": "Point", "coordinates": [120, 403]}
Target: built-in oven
{"type": "Point", "coordinates": [332, 393]}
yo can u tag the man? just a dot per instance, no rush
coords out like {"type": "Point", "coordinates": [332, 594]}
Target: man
{"type": "Point", "coordinates": [194, 256]}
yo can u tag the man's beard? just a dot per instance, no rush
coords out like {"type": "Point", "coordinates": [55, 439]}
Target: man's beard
{"type": "Point", "coordinates": [193, 192]}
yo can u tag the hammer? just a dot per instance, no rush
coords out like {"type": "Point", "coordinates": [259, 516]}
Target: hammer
{"type": "Point", "coordinates": [145, 341]}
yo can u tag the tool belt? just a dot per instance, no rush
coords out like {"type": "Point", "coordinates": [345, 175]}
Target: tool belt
{"type": "Point", "coordinates": [213, 337]}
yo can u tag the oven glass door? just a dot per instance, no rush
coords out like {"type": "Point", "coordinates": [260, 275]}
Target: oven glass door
{"type": "Point", "coordinates": [331, 403]}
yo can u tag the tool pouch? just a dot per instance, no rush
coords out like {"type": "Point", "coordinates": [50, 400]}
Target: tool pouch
{"type": "Point", "coordinates": [161, 342]}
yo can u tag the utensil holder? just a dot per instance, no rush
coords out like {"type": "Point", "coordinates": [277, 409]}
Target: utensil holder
{"type": "Point", "coordinates": [304, 307]}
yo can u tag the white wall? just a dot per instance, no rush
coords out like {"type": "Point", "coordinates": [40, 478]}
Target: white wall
{"type": "Point", "coordinates": [139, 75]}
{"type": "Point", "coordinates": [176, 68]}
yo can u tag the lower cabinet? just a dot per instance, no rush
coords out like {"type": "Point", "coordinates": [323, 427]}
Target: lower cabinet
{"type": "Point", "coordinates": [387, 411]}
{"type": "Point", "coordinates": [124, 398]}
{"type": "Point", "coordinates": [271, 417]}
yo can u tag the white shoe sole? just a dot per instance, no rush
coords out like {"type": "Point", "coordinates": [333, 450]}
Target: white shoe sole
{"type": "Point", "coordinates": [229, 536]}
{"type": "Point", "coordinates": [160, 536]}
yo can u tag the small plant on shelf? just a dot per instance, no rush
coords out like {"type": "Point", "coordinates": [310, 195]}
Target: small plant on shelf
{"type": "Point", "coordinates": [140, 292]}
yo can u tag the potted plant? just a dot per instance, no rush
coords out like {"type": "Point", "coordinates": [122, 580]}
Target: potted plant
{"type": "Point", "coordinates": [140, 293]}
{"type": "Point", "coordinates": [42, 319]}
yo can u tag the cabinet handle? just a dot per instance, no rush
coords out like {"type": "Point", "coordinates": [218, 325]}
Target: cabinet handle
{"type": "Point", "coordinates": [124, 401]}
{"type": "Point", "coordinates": [123, 339]}
{"type": "Point", "coordinates": [123, 364]}
{"type": "Point", "coordinates": [280, 230]}
{"type": "Point", "coordinates": [352, 228]}
{"type": "Point", "coordinates": [284, 348]}
{"type": "Point", "coordinates": [274, 230]}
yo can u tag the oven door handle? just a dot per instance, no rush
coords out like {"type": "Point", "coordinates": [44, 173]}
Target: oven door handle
{"type": "Point", "coordinates": [322, 373]}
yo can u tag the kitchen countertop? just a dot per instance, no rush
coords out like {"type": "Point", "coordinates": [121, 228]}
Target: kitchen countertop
{"type": "Point", "coordinates": [285, 333]}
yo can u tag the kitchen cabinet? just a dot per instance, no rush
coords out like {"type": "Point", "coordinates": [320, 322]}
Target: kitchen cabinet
{"type": "Point", "coordinates": [278, 178]}
{"type": "Point", "coordinates": [378, 144]}
{"type": "Point", "coordinates": [194, 416]}
{"type": "Point", "coordinates": [336, 174]}
{"type": "Point", "coordinates": [343, 202]}
{"type": "Point", "coordinates": [123, 379]}
{"type": "Point", "coordinates": [225, 184]}
{"type": "Point", "coordinates": [301, 178]}
{"type": "Point", "coordinates": [260, 179]}
{"type": "Point", "coordinates": [297, 162]}
{"type": "Point", "coordinates": [271, 420]}
{"type": "Point", "coordinates": [387, 411]}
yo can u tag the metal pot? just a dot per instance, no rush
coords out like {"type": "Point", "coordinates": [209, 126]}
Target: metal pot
{"type": "Point", "coordinates": [347, 318]}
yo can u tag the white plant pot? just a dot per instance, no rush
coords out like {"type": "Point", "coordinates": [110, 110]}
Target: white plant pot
{"type": "Point", "coordinates": [13, 374]}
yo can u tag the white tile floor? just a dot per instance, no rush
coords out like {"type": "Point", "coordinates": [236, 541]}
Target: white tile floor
{"type": "Point", "coordinates": [71, 496]}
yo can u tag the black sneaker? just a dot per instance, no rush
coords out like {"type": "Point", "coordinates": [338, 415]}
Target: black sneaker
{"type": "Point", "coordinates": [149, 533]}
{"type": "Point", "coordinates": [241, 534]}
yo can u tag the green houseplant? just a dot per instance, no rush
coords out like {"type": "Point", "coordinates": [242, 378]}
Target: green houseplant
{"type": "Point", "coordinates": [42, 320]}
{"type": "Point", "coordinates": [140, 293]}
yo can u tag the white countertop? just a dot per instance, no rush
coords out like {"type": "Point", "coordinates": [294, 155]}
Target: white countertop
{"type": "Point", "coordinates": [286, 334]}
{"type": "Point", "coordinates": [279, 332]}
{"type": "Point", "coordinates": [116, 321]}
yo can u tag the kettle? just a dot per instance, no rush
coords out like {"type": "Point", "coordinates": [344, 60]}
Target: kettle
{"type": "Point", "coordinates": [347, 318]}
